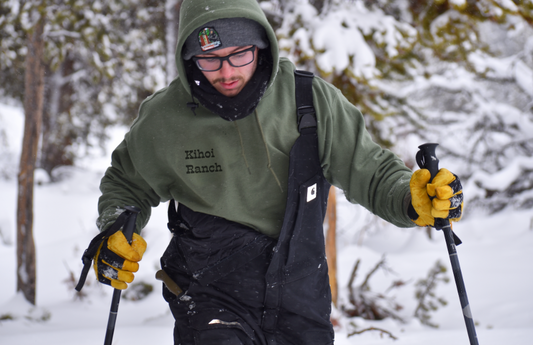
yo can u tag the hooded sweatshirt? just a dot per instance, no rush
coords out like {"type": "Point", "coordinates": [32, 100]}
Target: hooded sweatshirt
{"type": "Point", "coordinates": [238, 170]}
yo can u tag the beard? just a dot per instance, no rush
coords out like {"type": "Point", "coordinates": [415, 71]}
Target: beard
{"type": "Point", "coordinates": [217, 84]}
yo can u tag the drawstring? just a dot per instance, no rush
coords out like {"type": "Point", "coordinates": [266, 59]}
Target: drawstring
{"type": "Point", "coordinates": [267, 152]}
{"type": "Point", "coordinates": [193, 105]}
{"type": "Point", "coordinates": [242, 148]}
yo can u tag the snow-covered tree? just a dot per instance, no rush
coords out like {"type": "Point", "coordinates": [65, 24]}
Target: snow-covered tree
{"type": "Point", "coordinates": [455, 72]}
{"type": "Point", "coordinates": [95, 57]}
{"type": "Point", "coordinates": [100, 53]}
{"type": "Point", "coordinates": [12, 47]}
{"type": "Point", "coordinates": [102, 59]}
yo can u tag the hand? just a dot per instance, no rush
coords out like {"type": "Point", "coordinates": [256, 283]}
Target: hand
{"type": "Point", "coordinates": [443, 198]}
{"type": "Point", "coordinates": [116, 260]}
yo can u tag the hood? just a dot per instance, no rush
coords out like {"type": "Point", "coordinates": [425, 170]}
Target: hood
{"type": "Point", "coordinates": [195, 13]}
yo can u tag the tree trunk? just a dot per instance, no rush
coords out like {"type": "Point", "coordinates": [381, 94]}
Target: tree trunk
{"type": "Point", "coordinates": [172, 15]}
{"type": "Point", "coordinates": [33, 109]}
{"type": "Point", "coordinates": [331, 244]}
{"type": "Point", "coordinates": [57, 134]}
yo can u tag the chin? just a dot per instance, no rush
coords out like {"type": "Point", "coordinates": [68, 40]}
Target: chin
{"type": "Point", "coordinates": [230, 93]}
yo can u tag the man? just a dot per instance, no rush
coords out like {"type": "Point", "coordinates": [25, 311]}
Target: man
{"type": "Point", "coordinates": [251, 181]}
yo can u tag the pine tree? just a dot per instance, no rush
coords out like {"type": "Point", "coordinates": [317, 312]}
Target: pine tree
{"type": "Point", "coordinates": [102, 58]}
{"type": "Point", "coordinates": [81, 64]}
{"type": "Point", "coordinates": [12, 47]}
{"type": "Point", "coordinates": [459, 73]}
{"type": "Point", "coordinates": [100, 55]}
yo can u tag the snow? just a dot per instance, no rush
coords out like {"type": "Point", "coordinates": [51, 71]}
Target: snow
{"type": "Point", "coordinates": [11, 131]}
{"type": "Point", "coordinates": [524, 76]}
{"type": "Point", "coordinates": [458, 3]}
{"type": "Point", "coordinates": [495, 259]}
{"type": "Point", "coordinates": [508, 4]}
{"type": "Point", "coordinates": [500, 181]}
{"type": "Point", "coordinates": [338, 36]}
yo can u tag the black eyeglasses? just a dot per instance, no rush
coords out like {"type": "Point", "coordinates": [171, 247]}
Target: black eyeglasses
{"type": "Point", "coordinates": [214, 63]}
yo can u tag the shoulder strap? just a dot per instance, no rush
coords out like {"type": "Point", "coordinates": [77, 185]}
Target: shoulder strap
{"type": "Point", "coordinates": [304, 99]}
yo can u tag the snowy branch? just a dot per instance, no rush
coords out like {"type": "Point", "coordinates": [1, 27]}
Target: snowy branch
{"type": "Point", "coordinates": [62, 33]}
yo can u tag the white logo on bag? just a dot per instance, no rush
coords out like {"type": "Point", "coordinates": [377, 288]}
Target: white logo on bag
{"type": "Point", "coordinates": [311, 193]}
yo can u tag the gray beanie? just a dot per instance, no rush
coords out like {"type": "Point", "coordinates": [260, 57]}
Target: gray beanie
{"type": "Point", "coordinates": [223, 33]}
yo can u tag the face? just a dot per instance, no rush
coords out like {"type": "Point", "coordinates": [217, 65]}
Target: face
{"type": "Point", "coordinates": [230, 80]}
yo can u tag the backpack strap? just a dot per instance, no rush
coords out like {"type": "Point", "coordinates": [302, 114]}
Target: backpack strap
{"type": "Point", "coordinates": [304, 99]}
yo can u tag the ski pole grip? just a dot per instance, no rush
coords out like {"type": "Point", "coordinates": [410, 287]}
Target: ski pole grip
{"type": "Point", "coordinates": [426, 158]}
{"type": "Point", "coordinates": [129, 226]}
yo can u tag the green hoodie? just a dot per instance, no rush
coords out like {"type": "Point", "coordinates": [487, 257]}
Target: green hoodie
{"type": "Point", "coordinates": [239, 170]}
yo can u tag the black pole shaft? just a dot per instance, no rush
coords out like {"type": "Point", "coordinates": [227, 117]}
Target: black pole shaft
{"type": "Point", "coordinates": [129, 228]}
{"type": "Point", "coordinates": [461, 289]}
{"type": "Point", "coordinates": [427, 159]}
{"type": "Point", "coordinates": [112, 317]}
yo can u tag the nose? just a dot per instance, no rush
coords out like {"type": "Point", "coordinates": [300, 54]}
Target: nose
{"type": "Point", "coordinates": [227, 70]}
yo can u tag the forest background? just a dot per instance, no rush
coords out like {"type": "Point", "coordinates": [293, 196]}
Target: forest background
{"type": "Point", "coordinates": [455, 72]}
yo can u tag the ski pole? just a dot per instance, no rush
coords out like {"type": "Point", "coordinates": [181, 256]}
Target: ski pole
{"type": "Point", "coordinates": [427, 159]}
{"type": "Point", "coordinates": [129, 228]}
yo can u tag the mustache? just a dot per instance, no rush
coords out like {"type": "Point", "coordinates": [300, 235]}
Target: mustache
{"type": "Point", "coordinates": [227, 80]}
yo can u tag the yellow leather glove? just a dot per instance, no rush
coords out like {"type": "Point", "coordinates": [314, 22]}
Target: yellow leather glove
{"type": "Point", "coordinates": [443, 198]}
{"type": "Point", "coordinates": [116, 260]}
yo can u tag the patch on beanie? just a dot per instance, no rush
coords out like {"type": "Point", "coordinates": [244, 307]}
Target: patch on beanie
{"type": "Point", "coordinates": [208, 39]}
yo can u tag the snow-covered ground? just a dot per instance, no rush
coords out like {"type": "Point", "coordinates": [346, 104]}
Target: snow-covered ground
{"type": "Point", "coordinates": [496, 259]}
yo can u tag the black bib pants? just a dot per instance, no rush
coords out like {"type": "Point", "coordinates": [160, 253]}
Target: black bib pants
{"type": "Point", "coordinates": [243, 287]}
